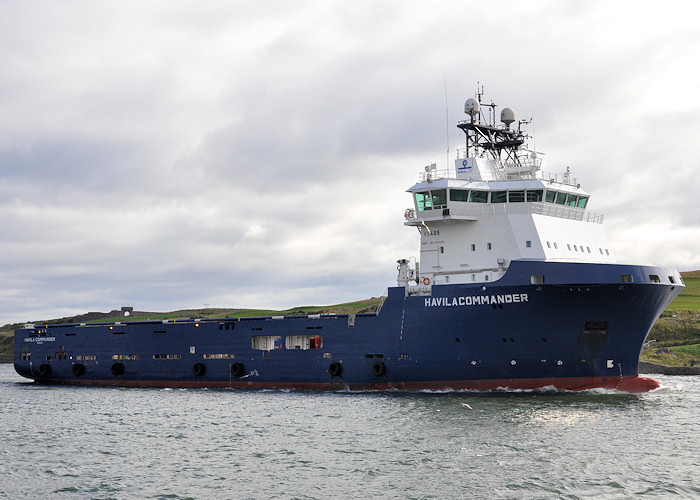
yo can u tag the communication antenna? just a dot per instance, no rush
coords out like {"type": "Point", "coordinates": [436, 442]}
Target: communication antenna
{"type": "Point", "coordinates": [447, 121]}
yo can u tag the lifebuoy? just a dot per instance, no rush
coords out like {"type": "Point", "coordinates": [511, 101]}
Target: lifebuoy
{"type": "Point", "coordinates": [335, 369]}
{"type": "Point", "coordinates": [199, 369]}
{"type": "Point", "coordinates": [426, 281]}
{"type": "Point", "coordinates": [237, 369]}
{"type": "Point", "coordinates": [44, 370]}
{"type": "Point", "coordinates": [118, 369]}
{"type": "Point", "coordinates": [379, 369]}
{"type": "Point", "coordinates": [78, 370]}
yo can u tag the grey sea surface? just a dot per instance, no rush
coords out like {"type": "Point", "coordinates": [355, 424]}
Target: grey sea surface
{"type": "Point", "coordinates": [82, 442]}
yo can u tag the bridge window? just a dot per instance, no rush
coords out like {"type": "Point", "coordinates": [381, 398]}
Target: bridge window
{"type": "Point", "coordinates": [549, 197]}
{"type": "Point", "coordinates": [498, 196]}
{"type": "Point", "coordinates": [582, 200]}
{"type": "Point", "coordinates": [534, 195]}
{"type": "Point", "coordinates": [423, 201]}
{"type": "Point", "coordinates": [516, 196]}
{"type": "Point", "coordinates": [560, 199]}
{"type": "Point", "coordinates": [571, 200]}
{"type": "Point", "coordinates": [478, 196]}
{"type": "Point", "coordinates": [439, 198]}
{"type": "Point", "coordinates": [459, 195]}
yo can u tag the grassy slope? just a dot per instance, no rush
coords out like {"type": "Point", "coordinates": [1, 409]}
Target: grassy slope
{"type": "Point", "coordinates": [678, 328]}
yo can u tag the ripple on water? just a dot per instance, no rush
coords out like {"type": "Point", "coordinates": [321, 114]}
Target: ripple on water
{"type": "Point", "coordinates": [165, 443]}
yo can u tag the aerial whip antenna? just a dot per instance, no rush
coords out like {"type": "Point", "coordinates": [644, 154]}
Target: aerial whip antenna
{"type": "Point", "coordinates": [447, 121]}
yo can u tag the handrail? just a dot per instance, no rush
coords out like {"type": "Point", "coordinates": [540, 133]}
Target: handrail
{"type": "Point", "coordinates": [483, 209]}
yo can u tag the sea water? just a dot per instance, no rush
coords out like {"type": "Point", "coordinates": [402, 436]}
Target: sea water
{"type": "Point", "coordinates": [82, 442]}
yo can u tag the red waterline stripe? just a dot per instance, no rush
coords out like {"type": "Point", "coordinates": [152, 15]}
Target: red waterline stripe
{"type": "Point", "coordinates": [631, 384]}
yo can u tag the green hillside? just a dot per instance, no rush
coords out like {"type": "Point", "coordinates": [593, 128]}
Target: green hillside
{"type": "Point", "coordinates": [689, 299]}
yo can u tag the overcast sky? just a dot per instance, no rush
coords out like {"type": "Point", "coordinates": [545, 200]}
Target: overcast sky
{"type": "Point", "coordinates": [168, 155]}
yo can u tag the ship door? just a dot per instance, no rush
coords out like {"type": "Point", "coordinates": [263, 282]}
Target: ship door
{"type": "Point", "coordinates": [593, 341]}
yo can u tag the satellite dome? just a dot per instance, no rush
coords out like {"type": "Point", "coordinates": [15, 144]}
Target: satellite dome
{"type": "Point", "coordinates": [507, 116]}
{"type": "Point", "coordinates": [471, 107]}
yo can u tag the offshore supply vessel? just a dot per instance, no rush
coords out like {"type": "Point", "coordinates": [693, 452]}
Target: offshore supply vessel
{"type": "Point", "coordinates": [516, 287]}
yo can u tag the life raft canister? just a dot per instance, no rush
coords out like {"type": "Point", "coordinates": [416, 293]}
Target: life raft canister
{"type": "Point", "coordinates": [426, 281]}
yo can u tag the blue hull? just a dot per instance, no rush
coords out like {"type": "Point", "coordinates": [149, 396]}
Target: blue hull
{"type": "Point", "coordinates": [580, 326]}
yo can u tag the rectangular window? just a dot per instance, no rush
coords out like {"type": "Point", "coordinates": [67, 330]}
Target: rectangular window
{"type": "Point", "coordinates": [550, 196]}
{"type": "Point", "coordinates": [478, 196]}
{"type": "Point", "coordinates": [473, 247]}
{"type": "Point", "coordinates": [266, 342]}
{"type": "Point", "coordinates": [626, 278]}
{"type": "Point", "coordinates": [439, 198]}
{"type": "Point", "coordinates": [535, 195]}
{"type": "Point", "coordinates": [537, 279]}
{"type": "Point", "coordinates": [516, 196]}
{"type": "Point", "coordinates": [528, 244]}
{"type": "Point", "coordinates": [423, 201]}
{"type": "Point", "coordinates": [654, 278]}
{"type": "Point", "coordinates": [571, 200]}
{"type": "Point", "coordinates": [303, 342]}
{"type": "Point", "coordinates": [498, 196]}
{"type": "Point", "coordinates": [582, 200]}
{"type": "Point", "coordinates": [561, 199]}
{"type": "Point", "coordinates": [488, 246]}
{"type": "Point", "coordinates": [459, 195]}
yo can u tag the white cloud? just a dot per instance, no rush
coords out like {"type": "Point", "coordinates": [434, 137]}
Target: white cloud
{"type": "Point", "coordinates": [168, 154]}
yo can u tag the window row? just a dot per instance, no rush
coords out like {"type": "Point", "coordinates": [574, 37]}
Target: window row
{"type": "Point", "coordinates": [437, 199]}
{"type": "Point", "coordinates": [576, 248]}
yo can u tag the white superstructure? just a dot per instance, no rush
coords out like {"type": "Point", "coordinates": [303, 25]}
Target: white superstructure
{"type": "Point", "coordinates": [496, 206]}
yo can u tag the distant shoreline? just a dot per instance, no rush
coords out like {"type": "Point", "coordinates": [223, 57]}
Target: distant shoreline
{"type": "Point", "coordinates": [650, 368]}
